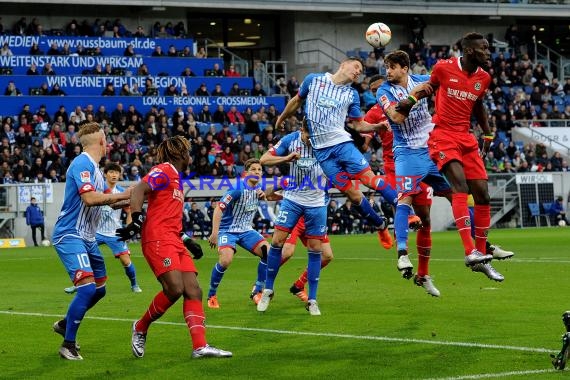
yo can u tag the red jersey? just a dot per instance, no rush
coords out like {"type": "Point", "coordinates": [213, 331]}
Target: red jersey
{"type": "Point", "coordinates": [458, 91]}
{"type": "Point", "coordinates": [374, 116]}
{"type": "Point", "coordinates": [165, 203]}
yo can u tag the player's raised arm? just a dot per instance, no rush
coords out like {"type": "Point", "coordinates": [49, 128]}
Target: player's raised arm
{"type": "Point", "coordinates": [292, 106]}
{"type": "Point", "coordinates": [94, 198]}
{"type": "Point", "coordinates": [363, 126]}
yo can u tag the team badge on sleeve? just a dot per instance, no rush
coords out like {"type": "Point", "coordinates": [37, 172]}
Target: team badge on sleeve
{"type": "Point", "coordinates": [85, 176]}
{"type": "Point", "coordinates": [384, 101]}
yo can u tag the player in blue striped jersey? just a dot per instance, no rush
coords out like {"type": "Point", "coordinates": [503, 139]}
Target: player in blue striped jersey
{"type": "Point", "coordinates": [304, 195]}
{"type": "Point", "coordinates": [232, 224]}
{"type": "Point", "coordinates": [111, 221]}
{"type": "Point", "coordinates": [74, 233]}
{"type": "Point", "coordinates": [329, 99]}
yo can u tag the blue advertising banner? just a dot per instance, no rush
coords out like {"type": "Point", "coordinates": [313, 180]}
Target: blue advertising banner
{"type": "Point", "coordinates": [12, 105]}
{"type": "Point", "coordinates": [75, 65]}
{"type": "Point", "coordinates": [94, 85]}
{"type": "Point", "coordinates": [20, 45]}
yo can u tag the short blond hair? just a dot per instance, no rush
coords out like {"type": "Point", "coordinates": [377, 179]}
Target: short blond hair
{"type": "Point", "coordinates": [87, 132]}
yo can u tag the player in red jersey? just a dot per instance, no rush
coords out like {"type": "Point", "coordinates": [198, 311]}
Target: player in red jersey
{"type": "Point", "coordinates": [421, 201]}
{"type": "Point", "coordinates": [164, 250]}
{"type": "Point", "coordinates": [461, 84]}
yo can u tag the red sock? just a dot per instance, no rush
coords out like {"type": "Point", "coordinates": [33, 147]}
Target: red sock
{"type": "Point", "coordinates": [195, 319]}
{"type": "Point", "coordinates": [157, 308]}
{"type": "Point", "coordinates": [302, 280]}
{"type": "Point", "coordinates": [482, 221]}
{"type": "Point", "coordinates": [423, 243]}
{"type": "Point", "coordinates": [462, 222]}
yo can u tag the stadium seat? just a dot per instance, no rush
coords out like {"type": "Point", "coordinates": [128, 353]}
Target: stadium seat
{"type": "Point", "coordinates": [537, 214]}
{"type": "Point", "coordinates": [528, 89]}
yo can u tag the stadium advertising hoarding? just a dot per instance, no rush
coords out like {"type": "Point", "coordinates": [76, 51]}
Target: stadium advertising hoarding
{"type": "Point", "coordinates": [12, 105]}
{"type": "Point", "coordinates": [20, 45]}
{"type": "Point", "coordinates": [94, 85]}
{"type": "Point", "coordinates": [76, 65]}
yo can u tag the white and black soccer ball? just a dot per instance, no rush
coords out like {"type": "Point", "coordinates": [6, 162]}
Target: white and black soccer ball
{"type": "Point", "coordinates": [46, 243]}
{"type": "Point", "coordinates": [378, 35]}
{"type": "Point", "coordinates": [562, 223]}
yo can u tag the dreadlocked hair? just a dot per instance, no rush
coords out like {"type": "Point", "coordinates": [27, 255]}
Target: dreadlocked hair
{"type": "Point", "coordinates": [173, 149]}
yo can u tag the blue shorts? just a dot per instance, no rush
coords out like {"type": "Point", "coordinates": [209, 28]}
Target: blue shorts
{"type": "Point", "coordinates": [80, 258]}
{"type": "Point", "coordinates": [414, 166]}
{"type": "Point", "coordinates": [117, 247]}
{"type": "Point", "coordinates": [315, 219]}
{"type": "Point", "coordinates": [248, 240]}
{"type": "Point", "coordinates": [341, 163]}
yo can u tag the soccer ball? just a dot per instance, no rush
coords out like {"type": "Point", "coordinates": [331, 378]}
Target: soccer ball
{"type": "Point", "coordinates": [46, 243]}
{"type": "Point", "coordinates": [562, 223]}
{"type": "Point", "coordinates": [378, 35]}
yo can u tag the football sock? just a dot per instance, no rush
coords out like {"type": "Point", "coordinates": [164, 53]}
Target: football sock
{"type": "Point", "coordinates": [131, 274]}
{"type": "Point", "coordinates": [217, 274]}
{"type": "Point", "coordinates": [302, 280]}
{"type": "Point", "coordinates": [194, 317]}
{"type": "Point", "coordinates": [100, 292]}
{"type": "Point", "coordinates": [313, 273]}
{"type": "Point", "coordinates": [482, 222]}
{"type": "Point", "coordinates": [156, 309]}
{"type": "Point", "coordinates": [77, 309]}
{"type": "Point", "coordinates": [462, 221]}
{"type": "Point", "coordinates": [403, 211]}
{"type": "Point", "coordinates": [273, 261]}
{"type": "Point", "coordinates": [387, 191]}
{"type": "Point", "coordinates": [368, 213]}
{"type": "Point", "coordinates": [423, 243]}
{"type": "Point", "coordinates": [284, 260]}
{"type": "Point", "coordinates": [261, 275]}
{"type": "Point", "coordinates": [472, 219]}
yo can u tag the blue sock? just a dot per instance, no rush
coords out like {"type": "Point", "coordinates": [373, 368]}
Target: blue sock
{"type": "Point", "coordinates": [131, 274]}
{"type": "Point", "coordinates": [387, 191]}
{"type": "Point", "coordinates": [472, 219]}
{"type": "Point", "coordinates": [77, 309]}
{"type": "Point", "coordinates": [217, 274]}
{"type": "Point", "coordinates": [261, 275]}
{"type": "Point", "coordinates": [403, 211]}
{"type": "Point", "coordinates": [273, 263]}
{"type": "Point", "coordinates": [313, 273]}
{"type": "Point", "coordinates": [368, 213]}
{"type": "Point", "coordinates": [100, 292]}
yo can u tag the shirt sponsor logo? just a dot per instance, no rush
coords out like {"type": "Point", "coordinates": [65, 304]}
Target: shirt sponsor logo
{"type": "Point", "coordinates": [327, 102]}
{"type": "Point", "coordinates": [85, 177]}
{"type": "Point", "coordinates": [461, 95]}
{"type": "Point", "coordinates": [306, 162]}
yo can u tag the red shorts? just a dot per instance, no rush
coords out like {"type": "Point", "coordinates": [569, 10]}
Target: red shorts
{"type": "Point", "coordinates": [446, 146]}
{"type": "Point", "coordinates": [423, 198]}
{"type": "Point", "coordinates": [299, 232]}
{"type": "Point", "coordinates": [166, 256]}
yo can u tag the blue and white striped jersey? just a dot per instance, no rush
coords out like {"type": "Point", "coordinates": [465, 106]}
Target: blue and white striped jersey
{"type": "Point", "coordinates": [77, 219]}
{"type": "Point", "coordinates": [327, 106]}
{"type": "Point", "coordinates": [414, 132]}
{"type": "Point", "coordinates": [110, 219]}
{"type": "Point", "coordinates": [306, 184]}
{"type": "Point", "coordinates": [238, 209]}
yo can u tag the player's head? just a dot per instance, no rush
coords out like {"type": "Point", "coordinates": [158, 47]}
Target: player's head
{"type": "Point", "coordinates": [305, 132]}
{"type": "Point", "coordinates": [112, 172]}
{"type": "Point", "coordinates": [175, 150]}
{"type": "Point", "coordinates": [475, 48]}
{"type": "Point", "coordinates": [397, 66]}
{"type": "Point", "coordinates": [91, 134]}
{"type": "Point", "coordinates": [253, 170]}
{"type": "Point", "coordinates": [376, 81]}
{"type": "Point", "coordinates": [351, 68]}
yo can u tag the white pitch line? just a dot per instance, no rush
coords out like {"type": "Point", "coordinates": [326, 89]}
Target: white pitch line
{"type": "Point", "coordinates": [318, 334]}
{"type": "Point", "coordinates": [495, 375]}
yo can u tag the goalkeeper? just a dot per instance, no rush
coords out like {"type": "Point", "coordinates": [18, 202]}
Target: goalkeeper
{"type": "Point", "coordinates": [164, 250]}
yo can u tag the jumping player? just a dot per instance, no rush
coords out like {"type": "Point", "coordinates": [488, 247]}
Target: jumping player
{"type": "Point", "coordinates": [164, 250]}
{"type": "Point", "coordinates": [232, 225]}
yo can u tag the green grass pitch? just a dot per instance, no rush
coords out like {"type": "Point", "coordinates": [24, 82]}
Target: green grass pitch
{"type": "Point", "coordinates": [375, 324]}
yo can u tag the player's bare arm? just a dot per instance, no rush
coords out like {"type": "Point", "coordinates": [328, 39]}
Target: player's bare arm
{"type": "Point", "coordinates": [271, 193]}
{"type": "Point", "coordinates": [364, 126]}
{"type": "Point", "coordinates": [269, 159]}
{"type": "Point", "coordinates": [216, 219]}
{"type": "Point", "coordinates": [482, 119]}
{"type": "Point", "coordinates": [93, 198]}
{"type": "Point", "coordinates": [292, 106]}
{"type": "Point", "coordinates": [400, 111]}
